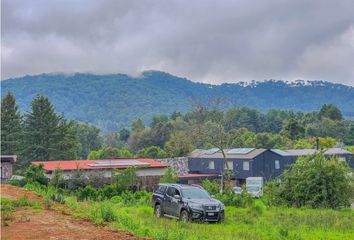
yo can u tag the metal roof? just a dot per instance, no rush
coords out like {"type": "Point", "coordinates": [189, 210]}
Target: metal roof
{"type": "Point", "coordinates": [99, 164]}
{"type": "Point", "coordinates": [337, 151]}
{"type": "Point", "coordinates": [240, 150]}
{"type": "Point", "coordinates": [301, 152]}
{"type": "Point", "coordinates": [198, 153]}
{"type": "Point", "coordinates": [280, 152]}
{"type": "Point", "coordinates": [212, 151]}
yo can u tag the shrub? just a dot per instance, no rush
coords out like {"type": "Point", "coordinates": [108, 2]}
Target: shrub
{"type": "Point", "coordinates": [317, 182]}
{"type": "Point", "coordinates": [212, 187]}
{"type": "Point", "coordinates": [103, 212]}
{"type": "Point", "coordinates": [18, 182]}
{"type": "Point", "coordinates": [126, 179]}
{"type": "Point", "coordinates": [35, 174]}
{"type": "Point", "coordinates": [107, 191]}
{"type": "Point", "coordinates": [58, 198]}
{"type": "Point", "coordinates": [57, 180]}
{"type": "Point", "coordinates": [47, 202]}
{"type": "Point", "coordinates": [170, 176]}
{"type": "Point", "coordinates": [86, 193]}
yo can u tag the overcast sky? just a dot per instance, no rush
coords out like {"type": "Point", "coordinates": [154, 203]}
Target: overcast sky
{"type": "Point", "coordinates": [206, 41]}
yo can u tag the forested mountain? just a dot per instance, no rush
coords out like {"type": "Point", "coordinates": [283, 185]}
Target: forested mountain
{"type": "Point", "coordinates": [113, 101]}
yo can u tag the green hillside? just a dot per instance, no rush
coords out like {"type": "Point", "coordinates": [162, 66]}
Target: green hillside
{"type": "Point", "coordinates": [112, 101]}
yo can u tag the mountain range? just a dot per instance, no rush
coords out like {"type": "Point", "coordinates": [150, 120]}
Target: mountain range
{"type": "Point", "coordinates": [111, 101]}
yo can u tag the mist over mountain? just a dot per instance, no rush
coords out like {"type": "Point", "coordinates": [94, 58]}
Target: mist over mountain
{"type": "Point", "coordinates": [112, 101]}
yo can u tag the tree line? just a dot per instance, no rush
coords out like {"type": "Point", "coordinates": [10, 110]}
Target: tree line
{"type": "Point", "coordinates": [43, 134]}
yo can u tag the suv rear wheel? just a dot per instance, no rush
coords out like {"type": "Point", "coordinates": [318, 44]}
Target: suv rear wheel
{"type": "Point", "coordinates": [158, 211]}
{"type": "Point", "coordinates": [184, 216]}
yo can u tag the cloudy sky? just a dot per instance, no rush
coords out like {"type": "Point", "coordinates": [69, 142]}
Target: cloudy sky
{"type": "Point", "coordinates": [206, 41]}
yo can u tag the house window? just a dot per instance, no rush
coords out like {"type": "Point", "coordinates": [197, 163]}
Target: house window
{"type": "Point", "coordinates": [211, 164]}
{"type": "Point", "coordinates": [276, 164]}
{"type": "Point", "coordinates": [246, 165]}
{"type": "Point", "coordinates": [230, 164]}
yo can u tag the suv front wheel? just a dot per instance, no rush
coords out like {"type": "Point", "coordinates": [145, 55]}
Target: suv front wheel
{"type": "Point", "coordinates": [158, 211]}
{"type": "Point", "coordinates": [184, 216]}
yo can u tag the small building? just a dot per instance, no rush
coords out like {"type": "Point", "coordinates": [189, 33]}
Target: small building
{"type": "Point", "coordinates": [7, 163]}
{"type": "Point", "coordinates": [148, 170]}
{"type": "Point", "coordinates": [250, 162]}
{"type": "Point", "coordinates": [243, 162]}
{"type": "Point", "coordinates": [342, 154]}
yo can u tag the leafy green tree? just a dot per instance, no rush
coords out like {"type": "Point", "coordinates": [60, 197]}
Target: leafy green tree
{"type": "Point", "coordinates": [158, 119]}
{"type": "Point", "coordinates": [180, 144]}
{"type": "Point", "coordinates": [170, 176]}
{"type": "Point", "coordinates": [152, 152]}
{"type": "Point", "coordinates": [266, 140]}
{"type": "Point", "coordinates": [11, 128]}
{"type": "Point", "coordinates": [126, 179]}
{"type": "Point", "coordinates": [330, 111]}
{"type": "Point", "coordinates": [212, 187]}
{"type": "Point", "coordinates": [48, 135]}
{"type": "Point", "coordinates": [36, 174]}
{"type": "Point", "coordinates": [349, 136]}
{"type": "Point", "coordinates": [317, 182]}
{"type": "Point", "coordinates": [324, 143]}
{"type": "Point", "coordinates": [137, 124]}
{"type": "Point", "coordinates": [112, 139]}
{"type": "Point", "coordinates": [109, 152]}
{"type": "Point", "coordinates": [175, 115]}
{"type": "Point", "coordinates": [57, 179]}
{"type": "Point", "coordinates": [293, 129]}
{"type": "Point", "coordinates": [88, 137]}
{"type": "Point", "coordinates": [124, 134]}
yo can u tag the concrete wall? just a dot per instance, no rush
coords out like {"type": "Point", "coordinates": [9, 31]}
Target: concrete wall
{"type": "Point", "coordinates": [179, 164]}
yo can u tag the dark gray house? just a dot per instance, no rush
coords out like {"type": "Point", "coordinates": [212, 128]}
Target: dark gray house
{"type": "Point", "coordinates": [252, 162]}
{"type": "Point", "coordinates": [244, 162]}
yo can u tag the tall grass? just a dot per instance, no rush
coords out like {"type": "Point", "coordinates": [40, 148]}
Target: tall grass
{"type": "Point", "coordinates": [132, 212]}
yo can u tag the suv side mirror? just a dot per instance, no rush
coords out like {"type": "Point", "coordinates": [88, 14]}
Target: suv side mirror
{"type": "Point", "coordinates": [212, 196]}
{"type": "Point", "coordinates": [177, 197]}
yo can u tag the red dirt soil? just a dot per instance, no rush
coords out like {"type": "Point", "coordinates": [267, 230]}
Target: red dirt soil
{"type": "Point", "coordinates": [29, 223]}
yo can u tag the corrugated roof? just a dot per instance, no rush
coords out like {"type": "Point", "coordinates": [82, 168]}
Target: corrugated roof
{"type": "Point", "coordinates": [336, 151]}
{"type": "Point", "coordinates": [280, 152]}
{"type": "Point", "coordinates": [92, 164]}
{"type": "Point", "coordinates": [301, 152]}
{"type": "Point", "coordinates": [199, 153]}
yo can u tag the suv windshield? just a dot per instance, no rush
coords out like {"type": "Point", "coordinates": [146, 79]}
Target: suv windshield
{"type": "Point", "coordinates": [194, 193]}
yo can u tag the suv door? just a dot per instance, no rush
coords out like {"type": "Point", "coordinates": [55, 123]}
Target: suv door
{"type": "Point", "coordinates": [175, 202]}
{"type": "Point", "coordinates": [168, 200]}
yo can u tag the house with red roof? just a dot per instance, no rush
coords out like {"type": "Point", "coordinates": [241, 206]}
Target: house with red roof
{"type": "Point", "coordinates": [148, 170]}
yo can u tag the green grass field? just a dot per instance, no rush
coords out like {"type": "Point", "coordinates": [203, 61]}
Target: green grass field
{"type": "Point", "coordinates": [256, 222]}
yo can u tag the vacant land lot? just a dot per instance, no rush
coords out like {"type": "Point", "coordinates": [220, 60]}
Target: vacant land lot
{"type": "Point", "coordinates": [74, 220]}
{"type": "Point", "coordinates": [36, 222]}
{"type": "Point", "coordinates": [255, 222]}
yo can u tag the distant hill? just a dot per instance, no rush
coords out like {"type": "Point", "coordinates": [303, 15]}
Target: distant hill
{"type": "Point", "coordinates": [112, 101]}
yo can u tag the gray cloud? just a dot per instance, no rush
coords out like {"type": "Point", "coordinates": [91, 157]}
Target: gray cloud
{"type": "Point", "coordinates": [208, 41]}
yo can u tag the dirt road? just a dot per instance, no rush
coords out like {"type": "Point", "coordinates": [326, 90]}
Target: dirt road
{"type": "Point", "coordinates": [29, 223]}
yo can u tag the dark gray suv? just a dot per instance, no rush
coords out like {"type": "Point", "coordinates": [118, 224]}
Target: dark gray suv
{"type": "Point", "coordinates": [186, 202]}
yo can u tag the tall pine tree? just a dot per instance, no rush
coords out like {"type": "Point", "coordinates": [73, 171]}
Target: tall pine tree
{"type": "Point", "coordinates": [11, 129]}
{"type": "Point", "coordinates": [48, 135]}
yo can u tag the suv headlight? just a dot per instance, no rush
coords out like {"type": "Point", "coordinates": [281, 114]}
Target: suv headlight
{"type": "Point", "coordinates": [195, 206]}
{"type": "Point", "coordinates": [222, 206]}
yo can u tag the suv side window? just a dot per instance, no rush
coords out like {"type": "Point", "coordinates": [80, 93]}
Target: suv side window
{"type": "Point", "coordinates": [171, 191]}
{"type": "Point", "coordinates": [160, 189]}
